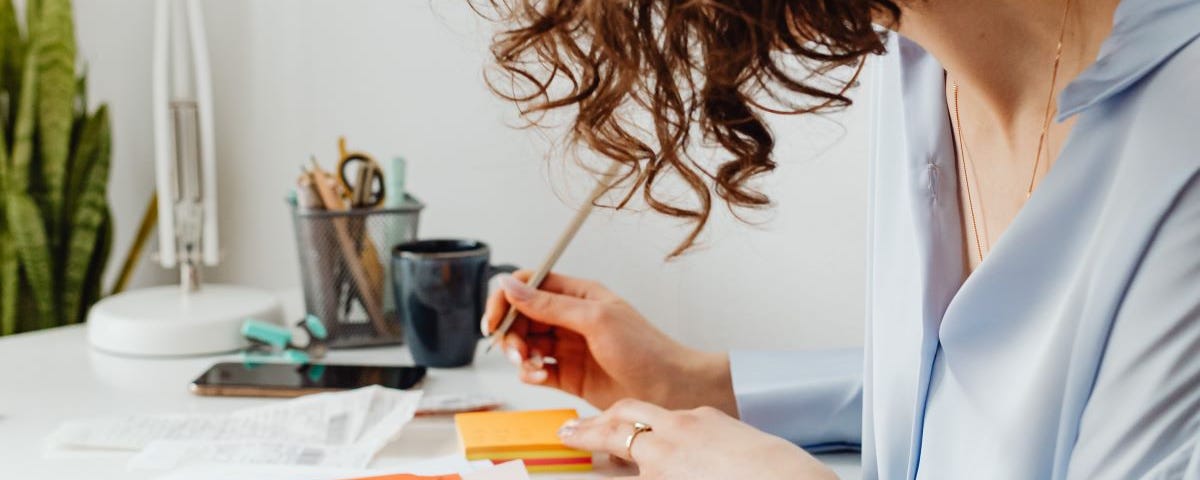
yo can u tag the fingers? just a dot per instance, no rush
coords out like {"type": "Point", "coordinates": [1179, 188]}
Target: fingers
{"type": "Point", "coordinates": [534, 355]}
{"type": "Point", "coordinates": [551, 308]}
{"type": "Point", "coordinates": [597, 434]}
{"type": "Point", "coordinates": [493, 312]}
{"type": "Point", "coordinates": [615, 460]}
{"type": "Point", "coordinates": [497, 305]}
{"type": "Point", "coordinates": [541, 348]}
{"type": "Point", "coordinates": [630, 411]}
{"type": "Point", "coordinates": [546, 375]}
{"type": "Point", "coordinates": [610, 431]}
{"type": "Point", "coordinates": [515, 348]}
{"type": "Point", "coordinates": [520, 345]}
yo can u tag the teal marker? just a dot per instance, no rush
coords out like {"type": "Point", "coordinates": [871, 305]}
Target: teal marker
{"type": "Point", "coordinates": [268, 333]}
{"type": "Point", "coordinates": [396, 198]}
{"type": "Point", "coordinates": [395, 183]}
{"type": "Point", "coordinates": [315, 327]}
{"type": "Point", "coordinates": [296, 356]}
{"type": "Point", "coordinates": [315, 372]}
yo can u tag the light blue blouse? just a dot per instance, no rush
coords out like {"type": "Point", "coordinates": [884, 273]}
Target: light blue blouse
{"type": "Point", "coordinates": [1073, 350]}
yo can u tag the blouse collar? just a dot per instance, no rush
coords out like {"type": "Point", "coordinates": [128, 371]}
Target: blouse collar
{"type": "Point", "coordinates": [1145, 34]}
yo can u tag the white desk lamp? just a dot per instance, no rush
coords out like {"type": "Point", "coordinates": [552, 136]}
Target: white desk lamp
{"type": "Point", "coordinates": [184, 319]}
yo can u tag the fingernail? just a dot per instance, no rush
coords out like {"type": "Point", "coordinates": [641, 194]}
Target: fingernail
{"type": "Point", "coordinates": [515, 289]}
{"type": "Point", "coordinates": [514, 356]}
{"type": "Point", "coordinates": [483, 325]}
{"type": "Point", "coordinates": [538, 376]}
{"type": "Point", "coordinates": [567, 429]}
{"type": "Point", "coordinates": [537, 360]}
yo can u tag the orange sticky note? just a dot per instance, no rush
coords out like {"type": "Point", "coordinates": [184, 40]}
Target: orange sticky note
{"type": "Point", "coordinates": [531, 436]}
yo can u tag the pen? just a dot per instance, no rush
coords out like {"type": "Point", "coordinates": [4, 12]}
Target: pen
{"type": "Point", "coordinates": [563, 240]}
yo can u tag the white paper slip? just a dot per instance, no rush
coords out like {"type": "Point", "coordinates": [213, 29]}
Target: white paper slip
{"type": "Point", "coordinates": [514, 470]}
{"type": "Point", "coordinates": [452, 465]}
{"type": "Point", "coordinates": [135, 432]}
{"type": "Point", "coordinates": [449, 404]}
{"type": "Point", "coordinates": [167, 454]}
{"type": "Point", "coordinates": [343, 429]}
{"type": "Point", "coordinates": [338, 416]}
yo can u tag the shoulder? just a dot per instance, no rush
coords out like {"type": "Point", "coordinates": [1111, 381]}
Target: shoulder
{"type": "Point", "coordinates": [1148, 135]}
{"type": "Point", "coordinates": [1163, 109]}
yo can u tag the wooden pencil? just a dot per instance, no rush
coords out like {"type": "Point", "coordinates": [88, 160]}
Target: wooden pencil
{"type": "Point", "coordinates": [564, 239]}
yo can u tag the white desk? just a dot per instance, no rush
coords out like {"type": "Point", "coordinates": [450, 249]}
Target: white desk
{"type": "Point", "coordinates": [51, 376]}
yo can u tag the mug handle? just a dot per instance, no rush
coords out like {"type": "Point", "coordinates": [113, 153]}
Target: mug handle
{"type": "Point", "coordinates": [494, 270]}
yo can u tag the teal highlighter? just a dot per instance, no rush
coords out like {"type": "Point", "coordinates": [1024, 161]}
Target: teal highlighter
{"type": "Point", "coordinates": [396, 198]}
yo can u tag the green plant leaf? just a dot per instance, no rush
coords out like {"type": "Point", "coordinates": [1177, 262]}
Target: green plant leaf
{"type": "Point", "coordinates": [27, 313]}
{"type": "Point", "coordinates": [89, 217]}
{"type": "Point", "coordinates": [33, 9]}
{"type": "Point", "coordinates": [29, 236]}
{"type": "Point", "coordinates": [92, 136]}
{"type": "Point", "coordinates": [22, 150]}
{"type": "Point", "coordinates": [9, 266]}
{"type": "Point", "coordinates": [10, 31]}
{"type": "Point", "coordinates": [12, 57]}
{"type": "Point", "coordinates": [4, 165]}
{"type": "Point", "coordinates": [95, 278]}
{"type": "Point", "coordinates": [9, 283]}
{"type": "Point", "coordinates": [54, 40]}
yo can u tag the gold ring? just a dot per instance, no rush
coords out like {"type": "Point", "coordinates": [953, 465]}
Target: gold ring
{"type": "Point", "coordinates": [638, 428]}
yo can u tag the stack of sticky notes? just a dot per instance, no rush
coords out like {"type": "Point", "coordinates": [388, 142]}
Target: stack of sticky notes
{"type": "Point", "coordinates": [531, 436]}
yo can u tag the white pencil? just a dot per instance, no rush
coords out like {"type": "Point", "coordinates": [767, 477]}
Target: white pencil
{"type": "Point", "coordinates": [563, 240]}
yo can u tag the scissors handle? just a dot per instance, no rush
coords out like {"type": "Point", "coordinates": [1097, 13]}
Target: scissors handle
{"type": "Point", "coordinates": [365, 184]}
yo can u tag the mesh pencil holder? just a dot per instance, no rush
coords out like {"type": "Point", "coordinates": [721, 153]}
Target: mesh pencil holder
{"type": "Point", "coordinates": [345, 257]}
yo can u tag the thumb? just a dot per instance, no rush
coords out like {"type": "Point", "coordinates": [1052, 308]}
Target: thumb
{"type": "Point", "coordinates": [550, 308]}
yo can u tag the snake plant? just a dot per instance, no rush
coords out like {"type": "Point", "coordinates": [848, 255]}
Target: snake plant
{"type": "Point", "coordinates": [55, 224]}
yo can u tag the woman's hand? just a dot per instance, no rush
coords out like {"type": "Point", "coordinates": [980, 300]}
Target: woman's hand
{"type": "Point", "coordinates": [603, 349]}
{"type": "Point", "coordinates": [698, 444]}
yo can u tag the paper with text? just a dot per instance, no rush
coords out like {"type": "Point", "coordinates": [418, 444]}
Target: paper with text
{"type": "Point", "coordinates": [342, 429]}
{"type": "Point", "coordinates": [451, 467]}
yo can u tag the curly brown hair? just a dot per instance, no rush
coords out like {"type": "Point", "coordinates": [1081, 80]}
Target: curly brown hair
{"type": "Point", "coordinates": [689, 64]}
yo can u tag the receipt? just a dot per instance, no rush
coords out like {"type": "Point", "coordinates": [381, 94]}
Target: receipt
{"type": "Point", "coordinates": [453, 466]}
{"type": "Point", "coordinates": [342, 429]}
{"type": "Point", "coordinates": [136, 432]}
{"type": "Point", "coordinates": [336, 417]}
{"type": "Point", "coordinates": [170, 454]}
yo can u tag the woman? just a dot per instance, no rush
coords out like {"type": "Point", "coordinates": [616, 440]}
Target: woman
{"type": "Point", "coordinates": [1034, 286]}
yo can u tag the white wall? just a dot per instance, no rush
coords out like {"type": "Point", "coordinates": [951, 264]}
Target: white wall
{"type": "Point", "coordinates": [404, 77]}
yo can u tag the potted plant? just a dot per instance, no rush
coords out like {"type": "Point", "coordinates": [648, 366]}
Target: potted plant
{"type": "Point", "coordinates": [55, 224]}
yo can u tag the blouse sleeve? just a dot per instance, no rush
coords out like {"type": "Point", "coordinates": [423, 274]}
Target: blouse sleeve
{"type": "Point", "coordinates": [811, 398]}
{"type": "Point", "coordinates": [1143, 418]}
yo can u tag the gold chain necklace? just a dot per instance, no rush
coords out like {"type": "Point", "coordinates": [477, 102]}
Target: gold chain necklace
{"type": "Point", "coordinates": [1042, 144]}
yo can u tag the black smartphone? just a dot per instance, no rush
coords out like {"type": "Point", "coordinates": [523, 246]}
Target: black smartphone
{"type": "Point", "coordinates": [292, 380]}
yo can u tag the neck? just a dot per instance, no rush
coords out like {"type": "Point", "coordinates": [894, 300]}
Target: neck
{"type": "Point", "coordinates": [1001, 52]}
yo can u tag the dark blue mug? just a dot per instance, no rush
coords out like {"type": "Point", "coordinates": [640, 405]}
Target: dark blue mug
{"type": "Point", "coordinates": [441, 287]}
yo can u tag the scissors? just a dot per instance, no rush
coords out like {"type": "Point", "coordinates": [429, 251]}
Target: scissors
{"type": "Point", "coordinates": [360, 176]}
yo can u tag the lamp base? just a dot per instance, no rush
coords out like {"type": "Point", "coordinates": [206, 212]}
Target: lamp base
{"type": "Point", "coordinates": [166, 321]}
